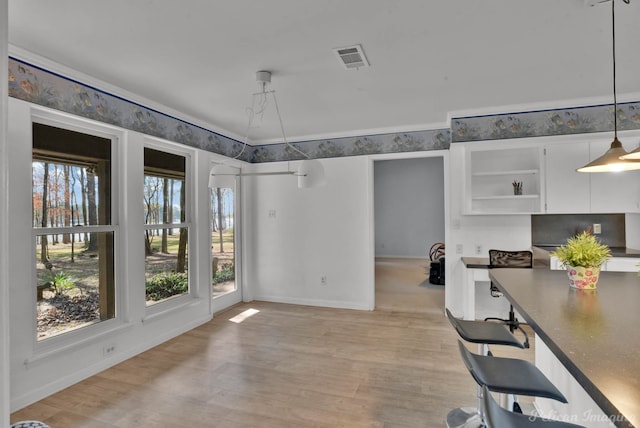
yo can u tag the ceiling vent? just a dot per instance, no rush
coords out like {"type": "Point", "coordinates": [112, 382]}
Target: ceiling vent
{"type": "Point", "coordinates": [595, 2]}
{"type": "Point", "coordinates": [352, 57]}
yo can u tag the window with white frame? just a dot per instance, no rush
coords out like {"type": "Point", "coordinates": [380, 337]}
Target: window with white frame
{"type": "Point", "coordinates": [166, 233]}
{"type": "Point", "coordinates": [73, 231]}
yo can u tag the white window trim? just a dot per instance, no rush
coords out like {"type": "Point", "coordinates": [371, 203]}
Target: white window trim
{"type": "Point", "coordinates": [78, 337]}
{"type": "Point", "coordinates": [238, 233]}
{"type": "Point", "coordinates": [157, 310]}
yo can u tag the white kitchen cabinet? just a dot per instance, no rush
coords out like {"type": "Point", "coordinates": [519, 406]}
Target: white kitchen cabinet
{"type": "Point", "coordinates": [567, 191]}
{"type": "Point", "coordinates": [489, 181]}
{"type": "Point", "coordinates": [614, 264]}
{"type": "Point", "coordinates": [570, 192]}
{"type": "Point", "coordinates": [622, 264]}
{"type": "Point", "coordinates": [613, 192]}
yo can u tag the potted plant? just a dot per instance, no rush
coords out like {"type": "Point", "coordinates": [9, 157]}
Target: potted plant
{"type": "Point", "coordinates": [583, 255]}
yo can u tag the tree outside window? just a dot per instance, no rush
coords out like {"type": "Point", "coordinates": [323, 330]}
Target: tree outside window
{"type": "Point", "coordinates": [74, 235]}
{"type": "Point", "coordinates": [166, 228]}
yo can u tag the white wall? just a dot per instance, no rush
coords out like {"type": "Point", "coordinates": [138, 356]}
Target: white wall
{"type": "Point", "coordinates": [316, 232]}
{"type": "Point", "coordinates": [4, 224]}
{"type": "Point", "coordinates": [39, 369]}
{"type": "Point", "coordinates": [409, 206]}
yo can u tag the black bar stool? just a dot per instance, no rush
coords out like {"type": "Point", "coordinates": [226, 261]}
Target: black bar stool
{"type": "Point", "coordinates": [499, 417]}
{"type": "Point", "coordinates": [507, 376]}
{"type": "Point", "coordinates": [484, 334]}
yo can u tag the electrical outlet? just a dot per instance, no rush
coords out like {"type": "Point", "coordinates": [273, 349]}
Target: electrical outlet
{"type": "Point", "coordinates": [459, 248]}
{"type": "Point", "coordinates": [323, 280]}
{"type": "Point", "coordinates": [597, 228]}
{"type": "Point", "coordinates": [108, 350]}
{"type": "Point", "coordinates": [478, 249]}
{"type": "Point", "coordinates": [272, 213]}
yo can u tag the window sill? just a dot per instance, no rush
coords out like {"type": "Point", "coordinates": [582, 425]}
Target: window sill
{"type": "Point", "coordinates": [160, 310]}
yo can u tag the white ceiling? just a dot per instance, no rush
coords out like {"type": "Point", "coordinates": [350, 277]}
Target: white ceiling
{"type": "Point", "coordinates": [428, 58]}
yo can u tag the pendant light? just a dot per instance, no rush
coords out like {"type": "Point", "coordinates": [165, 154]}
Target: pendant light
{"type": "Point", "coordinates": [310, 172]}
{"type": "Point", "coordinates": [615, 158]}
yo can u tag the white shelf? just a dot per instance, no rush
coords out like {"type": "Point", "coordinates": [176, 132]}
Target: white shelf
{"type": "Point", "coordinates": [489, 197]}
{"type": "Point", "coordinates": [512, 172]}
{"type": "Point", "coordinates": [492, 169]}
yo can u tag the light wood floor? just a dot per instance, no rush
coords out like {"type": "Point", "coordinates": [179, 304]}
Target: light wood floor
{"type": "Point", "coordinates": [285, 366]}
{"type": "Point", "coordinates": [402, 284]}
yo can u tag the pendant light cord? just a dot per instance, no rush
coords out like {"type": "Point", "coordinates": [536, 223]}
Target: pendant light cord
{"type": "Point", "coordinates": [613, 38]}
{"type": "Point", "coordinates": [615, 99]}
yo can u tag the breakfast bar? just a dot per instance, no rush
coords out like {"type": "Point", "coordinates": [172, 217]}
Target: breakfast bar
{"type": "Point", "coordinates": [594, 335]}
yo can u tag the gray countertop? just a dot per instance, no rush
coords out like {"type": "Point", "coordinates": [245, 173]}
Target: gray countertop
{"type": "Point", "coordinates": [615, 251]}
{"type": "Point", "coordinates": [594, 334]}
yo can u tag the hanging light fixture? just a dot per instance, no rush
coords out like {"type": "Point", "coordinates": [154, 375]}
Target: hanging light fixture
{"type": "Point", "coordinates": [616, 158]}
{"type": "Point", "coordinates": [310, 172]}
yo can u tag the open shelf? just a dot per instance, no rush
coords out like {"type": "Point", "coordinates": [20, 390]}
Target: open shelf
{"type": "Point", "coordinates": [490, 178]}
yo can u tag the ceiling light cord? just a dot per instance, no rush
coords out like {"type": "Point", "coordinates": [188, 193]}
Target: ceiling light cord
{"type": "Point", "coordinates": [284, 136]}
{"type": "Point", "coordinates": [613, 50]}
{"type": "Point", "coordinates": [261, 105]}
{"type": "Point", "coordinates": [615, 98]}
{"type": "Point", "coordinates": [616, 157]}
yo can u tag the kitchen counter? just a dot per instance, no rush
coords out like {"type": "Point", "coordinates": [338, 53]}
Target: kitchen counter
{"type": "Point", "coordinates": [615, 251]}
{"type": "Point", "coordinates": [594, 334]}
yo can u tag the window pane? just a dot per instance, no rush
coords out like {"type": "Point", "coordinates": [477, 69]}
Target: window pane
{"type": "Point", "coordinates": [71, 178]}
{"type": "Point", "coordinates": [163, 200]}
{"type": "Point", "coordinates": [75, 283]}
{"type": "Point", "coordinates": [166, 264]}
{"type": "Point", "coordinates": [223, 256]}
{"type": "Point", "coordinates": [164, 190]}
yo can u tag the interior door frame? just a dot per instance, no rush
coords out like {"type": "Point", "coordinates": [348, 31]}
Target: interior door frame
{"type": "Point", "coordinates": [444, 154]}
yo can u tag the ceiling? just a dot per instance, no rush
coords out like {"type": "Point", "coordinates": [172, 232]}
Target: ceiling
{"type": "Point", "coordinates": [198, 58]}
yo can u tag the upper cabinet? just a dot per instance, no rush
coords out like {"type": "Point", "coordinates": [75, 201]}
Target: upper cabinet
{"type": "Point", "coordinates": [617, 192]}
{"type": "Point", "coordinates": [546, 167]}
{"type": "Point", "coordinates": [503, 181]}
{"type": "Point", "coordinates": [568, 191]}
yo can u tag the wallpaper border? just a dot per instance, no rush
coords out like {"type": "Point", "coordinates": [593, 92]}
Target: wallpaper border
{"type": "Point", "coordinates": [29, 82]}
{"type": "Point", "coordinates": [37, 85]}
{"type": "Point", "coordinates": [540, 123]}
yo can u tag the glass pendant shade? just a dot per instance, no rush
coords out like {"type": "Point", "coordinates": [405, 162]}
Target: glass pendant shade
{"type": "Point", "coordinates": [616, 158]}
{"type": "Point", "coordinates": [610, 161]}
{"type": "Point", "coordinates": [632, 155]}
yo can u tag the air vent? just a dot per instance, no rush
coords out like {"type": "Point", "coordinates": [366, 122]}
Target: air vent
{"type": "Point", "coordinates": [595, 2]}
{"type": "Point", "coordinates": [352, 57]}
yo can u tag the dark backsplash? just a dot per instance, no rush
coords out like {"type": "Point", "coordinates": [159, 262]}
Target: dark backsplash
{"type": "Point", "coordinates": [554, 229]}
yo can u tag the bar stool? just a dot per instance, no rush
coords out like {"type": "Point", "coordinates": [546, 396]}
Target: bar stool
{"type": "Point", "coordinates": [484, 334]}
{"type": "Point", "coordinates": [499, 417]}
{"type": "Point", "coordinates": [507, 376]}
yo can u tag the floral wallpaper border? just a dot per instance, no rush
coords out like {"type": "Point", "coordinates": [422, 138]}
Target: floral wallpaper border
{"type": "Point", "coordinates": [576, 120]}
{"type": "Point", "coordinates": [34, 84]}
{"type": "Point", "coordinates": [37, 85]}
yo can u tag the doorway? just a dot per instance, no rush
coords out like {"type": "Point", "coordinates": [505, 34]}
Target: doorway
{"type": "Point", "coordinates": [408, 220]}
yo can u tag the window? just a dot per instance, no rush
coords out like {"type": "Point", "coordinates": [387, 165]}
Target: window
{"type": "Point", "coordinates": [73, 231]}
{"type": "Point", "coordinates": [166, 232]}
{"type": "Point", "coordinates": [223, 240]}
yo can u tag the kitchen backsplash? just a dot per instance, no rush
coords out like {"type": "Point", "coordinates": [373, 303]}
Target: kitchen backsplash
{"type": "Point", "coordinates": [554, 229]}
